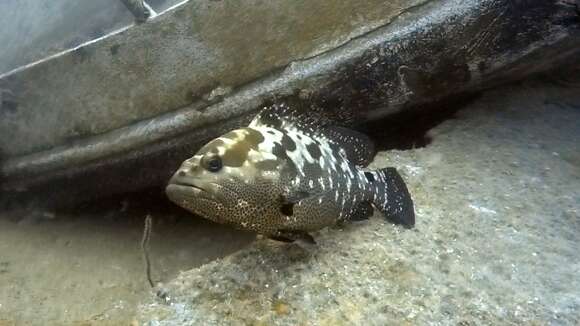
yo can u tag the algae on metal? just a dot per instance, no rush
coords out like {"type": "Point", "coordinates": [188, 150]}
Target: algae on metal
{"type": "Point", "coordinates": [497, 196]}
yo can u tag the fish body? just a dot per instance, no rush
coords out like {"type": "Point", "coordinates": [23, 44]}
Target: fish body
{"type": "Point", "coordinates": [287, 174]}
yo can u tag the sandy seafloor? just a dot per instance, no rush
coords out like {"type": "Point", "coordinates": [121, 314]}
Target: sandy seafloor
{"type": "Point", "coordinates": [497, 242]}
{"type": "Point", "coordinates": [86, 268]}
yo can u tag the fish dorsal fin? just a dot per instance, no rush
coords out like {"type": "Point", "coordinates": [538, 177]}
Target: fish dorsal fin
{"type": "Point", "coordinates": [278, 116]}
{"type": "Point", "coordinates": [314, 121]}
{"type": "Point", "coordinates": [359, 148]}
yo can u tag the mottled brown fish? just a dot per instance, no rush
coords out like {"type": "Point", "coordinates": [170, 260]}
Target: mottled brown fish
{"type": "Point", "coordinates": [286, 174]}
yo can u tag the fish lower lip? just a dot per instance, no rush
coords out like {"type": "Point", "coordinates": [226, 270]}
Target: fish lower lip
{"type": "Point", "coordinates": [185, 184]}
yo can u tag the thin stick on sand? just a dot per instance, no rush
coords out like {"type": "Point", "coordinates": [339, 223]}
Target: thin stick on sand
{"type": "Point", "coordinates": [145, 247]}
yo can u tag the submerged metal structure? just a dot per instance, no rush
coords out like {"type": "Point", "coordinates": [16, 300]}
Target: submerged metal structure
{"type": "Point", "coordinates": [120, 113]}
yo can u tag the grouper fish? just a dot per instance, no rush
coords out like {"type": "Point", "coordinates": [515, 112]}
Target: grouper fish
{"type": "Point", "coordinates": [287, 174]}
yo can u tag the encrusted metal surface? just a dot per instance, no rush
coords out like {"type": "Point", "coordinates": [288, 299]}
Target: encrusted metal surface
{"type": "Point", "coordinates": [426, 53]}
{"type": "Point", "coordinates": [174, 60]}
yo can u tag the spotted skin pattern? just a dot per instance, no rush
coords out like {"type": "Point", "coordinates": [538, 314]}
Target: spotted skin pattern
{"type": "Point", "coordinates": [286, 174]}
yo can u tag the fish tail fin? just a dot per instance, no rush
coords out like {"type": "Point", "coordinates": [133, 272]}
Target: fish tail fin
{"type": "Point", "coordinates": [391, 196]}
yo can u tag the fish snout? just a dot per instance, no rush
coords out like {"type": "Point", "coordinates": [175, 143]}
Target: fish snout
{"type": "Point", "coordinates": [183, 177]}
{"type": "Point", "coordinates": [185, 183]}
{"type": "Point", "coordinates": [182, 188]}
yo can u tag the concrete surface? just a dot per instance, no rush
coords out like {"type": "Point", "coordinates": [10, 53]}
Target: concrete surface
{"type": "Point", "coordinates": [497, 196]}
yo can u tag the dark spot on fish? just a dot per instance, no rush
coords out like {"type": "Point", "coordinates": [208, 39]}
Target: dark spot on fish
{"type": "Point", "coordinates": [288, 143]}
{"type": "Point", "coordinates": [370, 177]}
{"type": "Point", "coordinates": [271, 132]}
{"type": "Point", "coordinates": [334, 147]}
{"type": "Point", "coordinates": [314, 150]}
{"type": "Point", "coordinates": [287, 209]}
{"type": "Point", "coordinates": [280, 152]}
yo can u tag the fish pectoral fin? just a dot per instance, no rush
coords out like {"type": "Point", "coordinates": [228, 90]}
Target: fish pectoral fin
{"type": "Point", "coordinates": [288, 201]}
{"type": "Point", "coordinates": [299, 197]}
{"type": "Point", "coordinates": [293, 236]}
{"type": "Point", "coordinates": [295, 196]}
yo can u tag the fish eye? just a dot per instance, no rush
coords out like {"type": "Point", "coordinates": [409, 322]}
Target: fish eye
{"type": "Point", "coordinates": [214, 164]}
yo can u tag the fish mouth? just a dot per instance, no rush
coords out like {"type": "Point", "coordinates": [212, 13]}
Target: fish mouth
{"type": "Point", "coordinates": [184, 188]}
{"type": "Point", "coordinates": [185, 184]}
{"type": "Point", "coordinates": [188, 188]}
{"type": "Point", "coordinates": [180, 187]}
{"type": "Point", "coordinates": [182, 182]}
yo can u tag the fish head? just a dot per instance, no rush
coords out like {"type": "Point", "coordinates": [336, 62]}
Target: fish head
{"type": "Point", "coordinates": [230, 180]}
